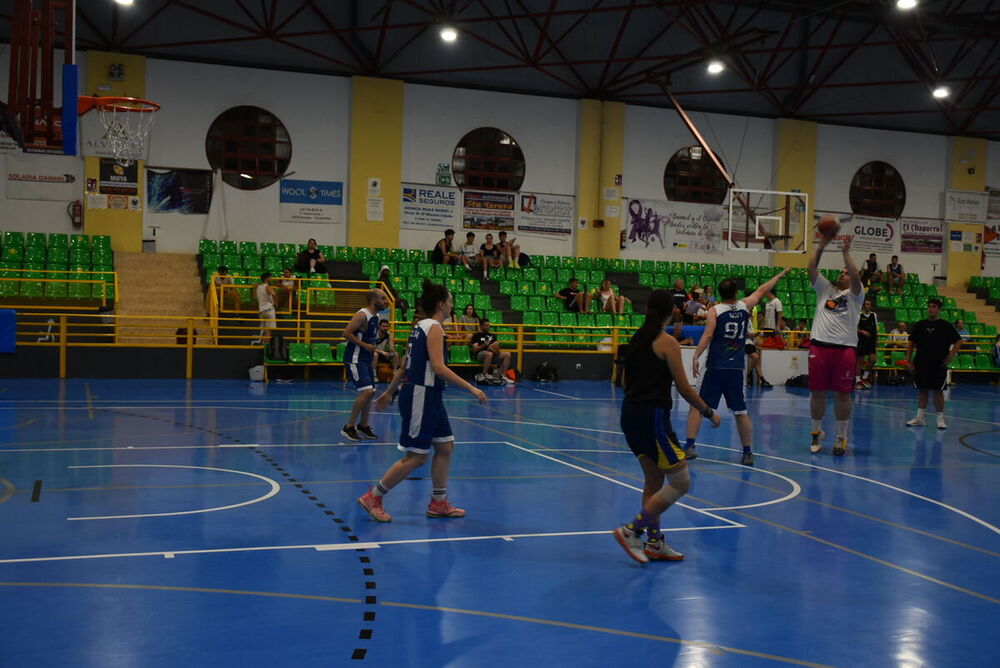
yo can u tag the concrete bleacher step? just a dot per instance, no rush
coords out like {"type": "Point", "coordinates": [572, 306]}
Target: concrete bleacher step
{"type": "Point", "coordinates": [988, 315]}
{"type": "Point", "coordinates": [165, 285]}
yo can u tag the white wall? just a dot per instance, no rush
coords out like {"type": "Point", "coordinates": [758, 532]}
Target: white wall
{"type": "Point", "coordinates": [315, 110]}
{"type": "Point", "coordinates": [921, 159]}
{"type": "Point", "coordinates": [435, 119]}
{"type": "Point", "coordinates": [652, 136]}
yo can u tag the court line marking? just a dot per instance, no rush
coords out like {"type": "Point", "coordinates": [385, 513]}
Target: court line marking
{"type": "Point", "coordinates": [275, 488]}
{"type": "Point", "coordinates": [8, 489]}
{"type": "Point", "coordinates": [433, 608]}
{"type": "Point", "coordinates": [556, 394]}
{"type": "Point", "coordinates": [90, 409]}
{"type": "Point", "coordinates": [336, 547]}
{"type": "Point", "coordinates": [236, 446]}
{"type": "Point", "coordinates": [731, 523]}
{"type": "Point", "coordinates": [950, 416]}
{"type": "Point", "coordinates": [953, 509]}
{"type": "Point", "coordinates": [18, 426]}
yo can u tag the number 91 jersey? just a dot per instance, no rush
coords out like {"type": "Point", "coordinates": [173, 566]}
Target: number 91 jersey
{"type": "Point", "coordinates": [727, 349]}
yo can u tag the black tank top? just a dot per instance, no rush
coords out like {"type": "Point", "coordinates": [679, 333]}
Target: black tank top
{"type": "Point", "coordinates": [647, 377]}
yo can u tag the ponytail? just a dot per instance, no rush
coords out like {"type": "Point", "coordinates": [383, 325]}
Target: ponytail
{"type": "Point", "coordinates": [659, 309]}
{"type": "Point", "coordinates": [432, 295]}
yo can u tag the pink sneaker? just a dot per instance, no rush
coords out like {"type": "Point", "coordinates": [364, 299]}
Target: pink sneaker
{"type": "Point", "coordinates": [443, 509]}
{"type": "Point", "coordinates": [373, 504]}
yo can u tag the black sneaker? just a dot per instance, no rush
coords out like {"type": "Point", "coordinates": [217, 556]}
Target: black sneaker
{"type": "Point", "coordinates": [366, 432]}
{"type": "Point", "coordinates": [765, 384]}
{"type": "Point", "coordinates": [350, 432]}
{"type": "Point", "coordinates": [746, 459]}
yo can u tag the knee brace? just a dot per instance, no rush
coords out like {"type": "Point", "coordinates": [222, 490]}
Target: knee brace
{"type": "Point", "coordinates": [678, 484]}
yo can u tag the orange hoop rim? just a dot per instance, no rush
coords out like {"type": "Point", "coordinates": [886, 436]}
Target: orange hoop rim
{"type": "Point", "coordinates": [125, 104]}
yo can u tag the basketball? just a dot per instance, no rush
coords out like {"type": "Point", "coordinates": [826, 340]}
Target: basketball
{"type": "Point", "coordinates": [828, 226]}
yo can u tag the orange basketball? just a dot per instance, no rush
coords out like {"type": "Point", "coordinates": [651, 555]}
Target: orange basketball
{"type": "Point", "coordinates": [828, 226]}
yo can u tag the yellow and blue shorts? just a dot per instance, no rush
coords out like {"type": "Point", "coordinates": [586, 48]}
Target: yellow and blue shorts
{"type": "Point", "coordinates": [649, 434]}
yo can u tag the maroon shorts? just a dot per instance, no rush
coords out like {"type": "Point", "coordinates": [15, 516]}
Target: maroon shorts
{"type": "Point", "coordinates": [831, 369]}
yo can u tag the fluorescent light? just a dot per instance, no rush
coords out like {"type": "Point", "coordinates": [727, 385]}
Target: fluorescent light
{"type": "Point", "coordinates": [448, 34]}
{"type": "Point", "coordinates": [124, 2]}
{"type": "Point", "coordinates": [715, 67]}
{"type": "Point", "coordinates": [244, 175]}
{"type": "Point", "coordinates": [941, 91]}
{"type": "Point", "coordinates": [906, 4]}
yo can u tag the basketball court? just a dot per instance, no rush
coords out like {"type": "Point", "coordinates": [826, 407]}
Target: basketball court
{"type": "Point", "coordinates": [212, 522]}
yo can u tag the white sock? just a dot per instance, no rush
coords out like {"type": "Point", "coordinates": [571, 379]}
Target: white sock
{"type": "Point", "coordinates": [817, 425]}
{"type": "Point", "coordinates": [920, 412]}
{"type": "Point", "coordinates": [842, 428]}
{"type": "Point", "coordinates": [857, 379]}
{"type": "Point", "coordinates": [439, 494]}
{"type": "Point", "coordinates": [379, 489]}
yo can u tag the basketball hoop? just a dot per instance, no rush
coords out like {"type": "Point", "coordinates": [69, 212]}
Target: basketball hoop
{"type": "Point", "coordinates": [126, 122]}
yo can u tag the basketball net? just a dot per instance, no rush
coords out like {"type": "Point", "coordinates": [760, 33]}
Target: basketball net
{"type": "Point", "coordinates": [126, 122]}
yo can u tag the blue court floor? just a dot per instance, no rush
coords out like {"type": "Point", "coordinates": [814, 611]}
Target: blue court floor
{"type": "Point", "coordinates": [164, 523]}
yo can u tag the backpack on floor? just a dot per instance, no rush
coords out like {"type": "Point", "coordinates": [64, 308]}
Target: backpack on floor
{"type": "Point", "coordinates": [277, 349]}
{"type": "Point", "coordinates": [546, 373]}
{"type": "Point", "coordinates": [798, 381]}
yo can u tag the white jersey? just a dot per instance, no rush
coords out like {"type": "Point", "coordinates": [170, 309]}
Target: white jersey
{"type": "Point", "coordinates": [264, 300]}
{"type": "Point", "coordinates": [837, 311]}
{"type": "Point", "coordinates": [771, 311]}
{"type": "Point", "coordinates": [470, 250]}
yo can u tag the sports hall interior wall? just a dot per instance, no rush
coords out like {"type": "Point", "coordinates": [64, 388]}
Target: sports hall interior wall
{"type": "Point", "coordinates": [316, 110]}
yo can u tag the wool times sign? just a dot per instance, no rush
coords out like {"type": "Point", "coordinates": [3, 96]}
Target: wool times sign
{"type": "Point", "coordinates": [311, 201]}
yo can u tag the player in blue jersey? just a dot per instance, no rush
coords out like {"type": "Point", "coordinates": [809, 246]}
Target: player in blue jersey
{"type": "Point", "coordinates": [425, 422]}
{"type": "Point", "coordinates": [725, 337]}
{"type": "Point", "coordinates": [361, 334]}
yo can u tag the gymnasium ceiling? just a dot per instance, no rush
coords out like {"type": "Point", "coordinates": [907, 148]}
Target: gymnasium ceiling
{"type": "Point", "coordinates": [862, 63]}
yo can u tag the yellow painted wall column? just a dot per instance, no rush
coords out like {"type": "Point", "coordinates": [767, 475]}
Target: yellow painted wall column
{"type": "Point", "coordinates": [588, 176]}
{"type": "Point", "coordinates": [612, 165]}
{"type": "Point", "coordinates": [966, 171]}
{"type": "Point", "coordinates": [123, 226]}
{"type": "Point", "coordinates": [376, 152]}
{"type": "Point", "coordinates": [795, 155]}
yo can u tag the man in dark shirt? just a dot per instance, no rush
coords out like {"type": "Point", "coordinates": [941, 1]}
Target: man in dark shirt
{"type": "Point", "coordinates": [576, 300]}
{"type": "Point", "coordinates": [680, 298]}
{"type": "Point", "coordinates": [867, 343]}
{"type": "Point", "coordinates": [443, 252]}
{"type": "Point", "coordinates": [937, 342]}
{"type": "Point", "coordinates": [485, 349]}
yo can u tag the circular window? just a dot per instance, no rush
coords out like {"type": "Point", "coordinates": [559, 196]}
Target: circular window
{"type": "Point", "coordinates": [691, 176]}
{"type": "Point", "coordinates": [877, 189]}
{"type": "Point", "coordinates": [250, 145]}
{"type": "Point", "coordinates": [490, 159]}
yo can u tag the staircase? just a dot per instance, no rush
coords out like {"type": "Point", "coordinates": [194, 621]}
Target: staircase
{"type": "Point", "coordinates": [158, 284]}
{"type": "Point", "coordinates": [968, 301]}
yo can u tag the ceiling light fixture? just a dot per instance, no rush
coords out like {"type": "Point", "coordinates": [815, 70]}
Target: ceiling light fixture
{"type": "Point", "coordinates": [941, 91]}
{"type": "Point", "coordinates": [715, 67]}
{"type": "Point", "coordinates": [244, 175]}
{"type": "Point", "coordinates": [124, 2]}
{"type": "Point", "coordinates": [906, 4]}
{"type": "Point", "coordinates": [448, 34]}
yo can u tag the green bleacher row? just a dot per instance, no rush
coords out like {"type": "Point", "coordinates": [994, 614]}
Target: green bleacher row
{"type": "Point", "coordinates": [43, 260]}
{"type": "Point", "coordinates": [961, 362]}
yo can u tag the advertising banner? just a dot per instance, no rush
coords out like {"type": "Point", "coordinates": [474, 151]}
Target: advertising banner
{"type": "Point", "coordinates": [187, 191]}
{"type": "Point", "coordinates": [871, 234]}
{"type": "Point", "coordinates": [44, 177]}
{"type": "Point", "coordinates": [311, 201]}
{"type": "Point", "coordinates": [992, 249]}
{"type": "Point", "coordinates": [921, 235]}
{"type": "Point", "coordinates": [430, 207]}
{"type": "Point", "coordinates": [118, 180]}
{"type": "Point", "coordinates": [965, 206]}
{"type": "Point", "coordinates": [658, 224]}
{"type": "Point", "coordinates": [488, 210]}
{"type": "Point", "coordinates": [545, 214]}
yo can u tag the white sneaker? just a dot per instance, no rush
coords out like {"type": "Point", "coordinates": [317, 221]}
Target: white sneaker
{"type": "Point", "coordinates": [658, 550]}
{"type": "Point", "coordinates": [941, 423]}
{"type": "Point", "coordinates": [917, 421]}
{"type": "Point", "coordinates": [632, 543]}
{"type": "Point", "coordinates": [507, 380]}
{"type": "Point", "coordinates": [817, 441]}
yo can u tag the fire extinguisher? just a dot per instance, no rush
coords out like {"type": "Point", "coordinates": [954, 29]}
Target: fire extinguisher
{"type": "Point", "coordinates": [75, 211]}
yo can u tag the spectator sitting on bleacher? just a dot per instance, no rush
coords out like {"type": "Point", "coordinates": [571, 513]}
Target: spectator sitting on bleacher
{"type": "Point", "coordinates": [509, 250]}
{"type": "Point", "coordinates": [227, 299]}
{"type": "Point", "coordinates": [489, 254]}
{"type": "Point", "coordinates": [288, 284]}
{"type": "Point", "coordinates": [895, 276]}
{"type": "Point", "coordinates": [311, 260]}
{"type": "Point", "coordinates": [486, 349]}
{"type": "Point", "coordinates": [691, 308]}
{"type": "Point", "coordinates": [468, 322]}
{"type": "Point", "coordinates": [385, 276]}
{"type": "Point", "coordinates": [385, 350]}
{"type": "Point", "coordinates": [470, 250]}
{"type": "Point", "coordinates": [899, 336]}
{"type": "Point", "coordinates": [265, 306]}
{"type": "Point", "coordinates": [575, 299]}
{"type": "Point", "coordinates": [610, 302]}
{"type": "Point", "coordinates": [710, 297]}
{"type": "Point", "coordinates": [443, 252]}
{"type": "Point", "coordinates": [678, 334]}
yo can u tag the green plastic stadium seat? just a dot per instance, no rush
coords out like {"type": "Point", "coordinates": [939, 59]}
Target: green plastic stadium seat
{"type": "Point", "coordinates": [531, 318]}
{"type": "Point", "coordinates": [568, 319]}
{"type": "Point", "coordinates": [13, 239]}
{"type": "Point", "coordinates": [59, 241]}
{"type": "Point", "coordinates": [398, 255]}
{"type": "Point", "coordinates": [460, 354]}
{"type": "Point", "coordinates": [299, 353]}
{"type": "Point", "coordinates": [321, 353]}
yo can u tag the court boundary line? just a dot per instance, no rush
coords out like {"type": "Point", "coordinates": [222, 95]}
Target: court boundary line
{"type": "Point", "coordinates": [566, 396]}
{"type": "Point", "coordinates": [275, 488]}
